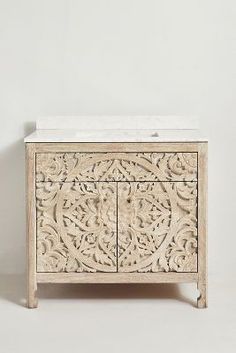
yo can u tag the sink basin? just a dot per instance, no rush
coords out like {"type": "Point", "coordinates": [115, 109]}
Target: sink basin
{"type": "Point", "coordinates": [155, 134]}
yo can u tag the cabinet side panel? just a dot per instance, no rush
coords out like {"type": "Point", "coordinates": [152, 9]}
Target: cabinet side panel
{"type": "Point", "coordinates": [31, 225]}
{"type": "Point", "coordinates": [202, 218]}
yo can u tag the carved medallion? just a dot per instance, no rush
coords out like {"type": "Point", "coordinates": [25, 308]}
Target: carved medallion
{"type": "Point", "coordinates": [157, 229]}
{"type": "Point", "coordinates": [76, 227]}
{"type": "Point", "coordinates": [108, 212]}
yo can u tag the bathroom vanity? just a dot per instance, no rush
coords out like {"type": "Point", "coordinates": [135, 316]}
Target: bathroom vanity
{"type": "Point", "coordinates": [109, 201]}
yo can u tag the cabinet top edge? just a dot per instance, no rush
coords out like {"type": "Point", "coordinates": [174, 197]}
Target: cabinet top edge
{"type": "Point", "coordinates": [115, 136]}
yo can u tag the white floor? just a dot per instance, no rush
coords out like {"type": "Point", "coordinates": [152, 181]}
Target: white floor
{"type": "Point", "coordinates": [117, 318]}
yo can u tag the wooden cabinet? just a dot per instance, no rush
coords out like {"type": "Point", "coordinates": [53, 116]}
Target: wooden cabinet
{"type": "Point", "coordinates": [116, 213]}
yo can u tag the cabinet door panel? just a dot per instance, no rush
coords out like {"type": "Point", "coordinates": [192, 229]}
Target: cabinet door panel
{"type": "Point", "coordinates": [76, 227]}
{"type": "Point", "coordinates": [157, 227]}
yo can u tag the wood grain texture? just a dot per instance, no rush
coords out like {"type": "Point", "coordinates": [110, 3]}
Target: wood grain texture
{"type": "Point", "coordinates": [202, 224]}
{"type": "Point", "coordinates": [31, 226]}
{"type": "Point", "coordinates": [171, 277]}
{"type": "Point", "coordinates": [118, 147]}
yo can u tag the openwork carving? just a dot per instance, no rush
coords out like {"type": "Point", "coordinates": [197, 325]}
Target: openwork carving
{"type": "Point", "coordinates": [157, 226]}
{"type": "Point", "coordinates": [116, 167]}
{"type": "Point", "coordinates": [76, 227]}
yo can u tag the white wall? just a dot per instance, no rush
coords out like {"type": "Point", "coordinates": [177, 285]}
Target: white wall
{"type": "Point", "coordinates": [118, 57]}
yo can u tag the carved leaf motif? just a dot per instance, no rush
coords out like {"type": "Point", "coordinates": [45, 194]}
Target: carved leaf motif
{"type": "Point", "coordinates": [157, 226]}
{"type": "Point", "coordinates": [77, 221]}
{"type": "Point", "coordinates": [116, 166]}
{"type": "Point", "coordinates": [76, 228]}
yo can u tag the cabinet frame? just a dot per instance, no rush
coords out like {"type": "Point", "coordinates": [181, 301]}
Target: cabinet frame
{"type": "Point", "coordinates": [200, 277]}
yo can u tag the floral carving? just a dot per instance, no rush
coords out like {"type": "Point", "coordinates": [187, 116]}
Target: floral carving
{"type": "Point", "coordinates": [116, 167]}
{"type": "Point", "coordinates": [157, 227]}
{"type": "Point", "coordinates": [76, 227]}
{"type": "Point", "coordinates": [108, 212]}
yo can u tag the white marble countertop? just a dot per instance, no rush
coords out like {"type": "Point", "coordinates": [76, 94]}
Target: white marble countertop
{"type": "Point", "coordinates": [111, 129]}
{"type": "Point", "coordinates": [115, 136]}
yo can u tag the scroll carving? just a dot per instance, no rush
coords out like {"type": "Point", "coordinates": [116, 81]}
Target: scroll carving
{"type": "Point", "coordinates": [76, 227]}
{"type": "Point", "coordinates": [108, 212]}
{"type": "Point", "coordinates": [157, 227]}
{"type": "Point", "coordinates": [60, 167]}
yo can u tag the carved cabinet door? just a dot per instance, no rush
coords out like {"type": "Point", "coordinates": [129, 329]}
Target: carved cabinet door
{"type": "Point", "coordinates": [157, 227]}
{"type": "Point", "coordinates": [116, 212]}
{"type": "Point", "coordinates": [76, 227]}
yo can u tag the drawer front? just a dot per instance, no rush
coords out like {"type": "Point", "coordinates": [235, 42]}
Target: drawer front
{"type": "Point", "coordinates": [128, 166]}
{"type": "Point", "coordinates": [157, 226]}
{"type": "Point", "coordinates": [76, 227]}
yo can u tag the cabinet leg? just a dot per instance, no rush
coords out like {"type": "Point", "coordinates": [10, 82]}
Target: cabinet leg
{"type": "Point", "coordinates": [32, 300]}
{"type": "Point", "coordinates": [202, 299]}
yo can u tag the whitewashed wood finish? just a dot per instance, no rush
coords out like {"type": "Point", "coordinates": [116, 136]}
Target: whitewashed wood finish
{"type": "Point", "coordinates": [76, 227]}
{"type": "Point", "coordinates": [72, 277]}
{"type": "Point", "coordinates": [116, 166]}
{"type": "Point", "coordinates": [115, 122]}
{"type": "Point", "coordinates": [31, 227]}
{"type": "Point", "coordinates": [202, 224]}
{"type": "Point", "coordinates": [170, 277]}
{"type": "Point", "coordinates": [119, 147]}
{"type": "Point", "coordinates": [153, 223]}
{"type": "Point", "coordinates": [157, 226]}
